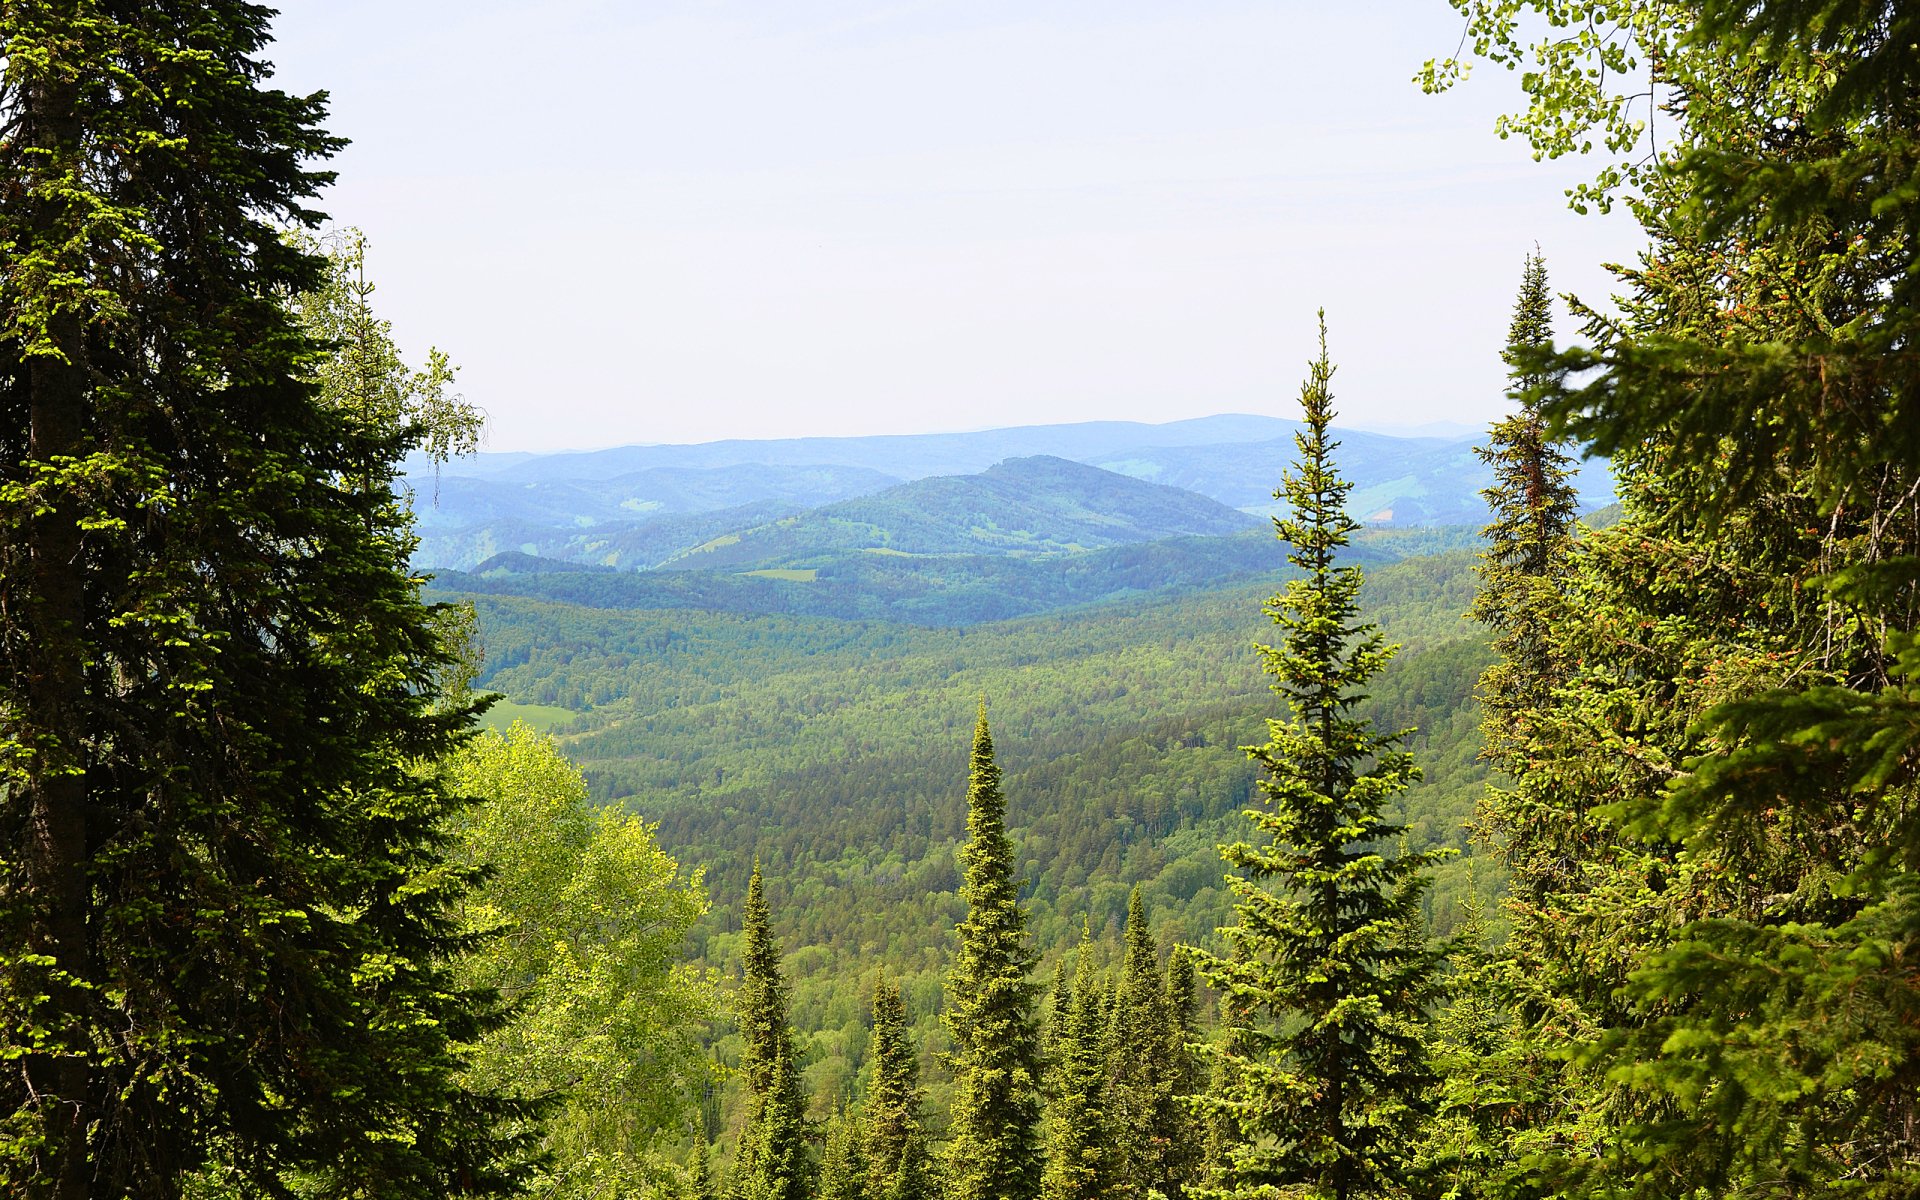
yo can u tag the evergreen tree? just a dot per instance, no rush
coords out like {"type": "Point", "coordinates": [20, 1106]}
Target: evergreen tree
{"type": "Point", "coordinates": [843, 1164]}
{"type": "Point", "coordinates": [993, 1154]}
{"type": "Point", "coordinates": [1537, 825]}
{"type": "Point", "coordinates": [1729, 952]}
{"type": "Point", "coordinates": [1523, 576]}
{"type": "Point", "coordinates": [1467, 1145]}
{"type": "Point", "coordinates": [1080, 1158]}
{"type": "Point", "coordinates": [1186, 1154]}
{"type": "Point", "coordinates": [226, 919]}
{"type": "Point", "coordinates": [1324, 1092]}
{"type": "Point", "coordinates": [896, 1143]}
{"type": "Point", "coordinates": [700, 1171]}
{"type": "Point", "coordinates": [773, 1162]}
{"type": "Point", "coordinates": [1142, 1110]}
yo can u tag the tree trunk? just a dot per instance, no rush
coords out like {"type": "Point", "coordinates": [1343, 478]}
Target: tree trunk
{"type": "Point", "coordinates": [54, 702]}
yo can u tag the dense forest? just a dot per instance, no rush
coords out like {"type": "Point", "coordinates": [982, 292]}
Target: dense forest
{"type": "Point", "coordinates": [1106, 850]}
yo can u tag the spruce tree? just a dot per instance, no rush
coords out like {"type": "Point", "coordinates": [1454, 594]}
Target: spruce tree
{"type": "Point", "coordinates": [1523, 578]}
{"type": "Point", "coordinates": [773, 1162]}
{"type": "Point", "coordinates": [225, 929]}
{"type": "Point", "coordinates": [993, 1154]}
{"type": "Point", "coordinates": [1142, 1110]}
{"type": "Point", "coordinates": [843, 1163]}
{"type": "Point", "coordinates": [1324, 1087]}
{"type": "Point", "coordinates": [700, 1171]}
{"type": "Point", "coordinates": [1187, 1135]}
{"type": "Point", "coordinates": [1467, 1150]}
{"type": "Point", "coordinates": [1080, 1157]}
{"type": "Point", "coordinates": [896, 1142]}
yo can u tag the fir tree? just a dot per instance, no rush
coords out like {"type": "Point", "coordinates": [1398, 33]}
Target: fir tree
{"type": "Point", "coordinates": [226, 924]}
{"type": "Point", "coordinates": [1079, 1151]}
{"type": "Point", "coordinates": [896, 1143]}
{"type": "Point", "coordinates": [993, 1154]}
{"type": "Point", "coordinates": [773, 1161]}
{"type": "Point", "coordinates": [1325, 1094]}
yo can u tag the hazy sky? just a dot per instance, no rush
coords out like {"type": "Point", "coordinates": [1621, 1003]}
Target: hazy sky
{"type": "Point", "coordinates": [663, 222]}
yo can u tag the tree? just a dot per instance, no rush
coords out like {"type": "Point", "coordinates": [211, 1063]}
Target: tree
{"type": "Point", "coordinates": [1079, 1163]}
{"type": "Point", "coordinates": [990, 1001]}
{"type": "Point", "coordinates": [896, 1142]}
{"type": "Point", "coordinates": [1524, 567]}
{"type": "Point", "coordinates": [1473, 1048]}
{"type": "Point", "coordinates": [1186, 1154]}
{"type": "Point", "coordinates": [773, 1162]}
{"type": "Point", "coordinates": [1143, 1060]}
{"type": "Point", "coordinates": [1325, 1094]}
{"type": "Point", "coordinates": [1758, 390]}
{"type": "Point", "coordinates": [843, 1166]}
{"type": "Point", "coordinates": [589, 920]}
{"type": "Point", "coordinates": [225, 933]}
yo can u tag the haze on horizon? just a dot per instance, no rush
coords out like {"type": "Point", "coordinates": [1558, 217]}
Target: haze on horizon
{"type": "Point", "coordinates": [845, 217]}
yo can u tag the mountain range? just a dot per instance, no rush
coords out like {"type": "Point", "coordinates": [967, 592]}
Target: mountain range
{"type": "Point", "coordinates": [928, 528]}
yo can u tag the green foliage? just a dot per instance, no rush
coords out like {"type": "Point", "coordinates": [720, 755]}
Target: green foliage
{"type": "Point", "coordinates": [773, 1162]}
{"type": "Point", "coordinates": [898, 1159]}
{"type": "Point", "coordinates": [1144, 1059]}
{"type": "Point", "coordinates": [226, 922]}
{"type": "Point", "coordinates": [589, 920]}
{"type": "Point", "coordinates": [993, 1152]}
{"type": "Point", "coordinates": [363, 375]}
{"type": "Point", "coordinates": [826, 748]}
{"type": "Point", "coordinates": [1324, 1081]}
{"type": "Point", "coordinates": [1079, 1152]}
{"type": "Point", "coordinates": [843, 1164]}
{"type": "Point", "coordinates": [1725, 939]}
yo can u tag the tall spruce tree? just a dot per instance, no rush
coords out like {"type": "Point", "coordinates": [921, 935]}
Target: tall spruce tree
{"type": "Point", "coordinates": [1539, 828]}
{"type": "Point", "coordinates": [994, 1152]}
{"type": "Point", "coordinates": [896, 1140]}
{"type": "Point", "coordinates": [1523, 569]}
{"type": "Point", "coordinates": [1186, 1155]}
{"type": "Point", "coordinates": [772, 1162]}
{"type": "Point", "coordinates": [1143, 1111]}
{"type": "Point", "coordinates": [1079, 1150]}
{"type": "Point", "coordinates": [1324, 1087]}
{"type": "Point", "coordinates": [224, 923]}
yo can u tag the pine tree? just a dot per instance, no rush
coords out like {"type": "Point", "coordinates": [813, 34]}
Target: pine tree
{"type": "Point", "coordinates": [1080, 1158]}
{"type": "Point", "coordinates": [1142, 1110]}
{"type": "Point", "coordinates": [1325, 1094]}
{"type": "Point", "coordinates": [224, 937]}
{"type": "Point", "coordinates": [995, 1060]}
{"type": "Point", "coordinates": [773, 1162]}
{"type": "Point", "coordinates": [896, 1142]}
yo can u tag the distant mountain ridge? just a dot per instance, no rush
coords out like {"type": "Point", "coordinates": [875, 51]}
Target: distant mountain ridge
{"type": "Point", "coordinates": [1023, 506]}
{"type": "Point", "coordinates": [793, 503]}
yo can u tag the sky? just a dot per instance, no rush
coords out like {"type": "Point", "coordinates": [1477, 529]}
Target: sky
{"type": "Point", "coordinates": [632, 222]}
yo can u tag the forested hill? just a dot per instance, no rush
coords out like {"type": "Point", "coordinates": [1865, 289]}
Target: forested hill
{"type": "Point", "coordinates": [640, 507]}
{"type": "Point", "coordinates": [834, 750]}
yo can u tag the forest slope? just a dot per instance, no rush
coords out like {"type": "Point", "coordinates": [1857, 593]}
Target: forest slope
{"type": "Point", "coordinates": [835, 752]}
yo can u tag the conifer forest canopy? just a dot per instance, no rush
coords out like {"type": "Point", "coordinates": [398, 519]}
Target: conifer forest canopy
{"type": "Point", "coordinates": [976, 818]}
